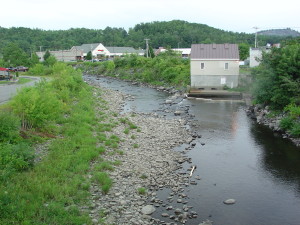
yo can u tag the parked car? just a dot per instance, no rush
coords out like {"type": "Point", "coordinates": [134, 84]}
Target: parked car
{"type": "Point", "coordinates": [11, 69]}
{"type": "Point", "coordinates": [21, 68]}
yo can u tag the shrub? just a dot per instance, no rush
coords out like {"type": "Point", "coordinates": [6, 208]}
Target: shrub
{"type": "Point", "coordinates": [286, 123]}
{"type": "Point", "coordinates": [295, 131]}
{"type": "Point", "coordinates": [13, 158]}
{"type": "Point", "coordinates": [9, 127]}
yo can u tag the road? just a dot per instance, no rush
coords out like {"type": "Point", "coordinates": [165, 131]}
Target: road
{"type": "Point", "coordinates": [7, 91]}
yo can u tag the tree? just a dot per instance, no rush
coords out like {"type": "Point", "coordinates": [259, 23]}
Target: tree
{"type": "Point", "coordinates": [34, 59]}
{"type": "Point", "coordinates": [89, 56]}
{"type": "Point", "coordinates": [151, 52]}
{"type": "Point", "coordinates": [50, 61]}
{"type": "Point", "coordinates": [244, 51]}
{"type": "Point", "coordinates": [47, 55]}
{"type": "Point", "coordinates": [277, 78]}
{"type": "Point", "coordinates": [13, 55]}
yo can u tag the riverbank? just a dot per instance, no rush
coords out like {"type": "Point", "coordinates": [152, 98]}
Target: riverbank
{"type": "Point", "coordinates": [264, 116]}
{"type": "Point", "coordinates": [147, 164]}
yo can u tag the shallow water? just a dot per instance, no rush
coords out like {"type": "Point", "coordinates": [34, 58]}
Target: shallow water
{"type": "Point", "coordinates": [235, 158]}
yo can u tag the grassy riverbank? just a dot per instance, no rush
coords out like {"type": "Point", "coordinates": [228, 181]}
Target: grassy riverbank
{"type": "Point", "coordinates": [59, 114]}
{"type": "Point", "coordinates": [167, 69]}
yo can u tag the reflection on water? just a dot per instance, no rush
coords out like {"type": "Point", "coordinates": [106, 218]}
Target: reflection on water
{"type": "Point", "coordinates": [240, 160]}
{"type": "Point", "coordinates": [279, 156]}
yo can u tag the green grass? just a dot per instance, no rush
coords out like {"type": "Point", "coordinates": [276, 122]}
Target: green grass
{"type": "Point", "coordinates": [126, 131]}
{"type": "Point", "coordinates": [21, 80]}
{"type": "Point", "coordinates": [52, 191]}
{"type": "Point", "coordinates": [142, 190]}
{"type": "Point", "coordinates": [135, 145]}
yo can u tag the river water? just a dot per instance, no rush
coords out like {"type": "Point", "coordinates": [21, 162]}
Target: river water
{"type": "Point", "coordinates": [235, 158]}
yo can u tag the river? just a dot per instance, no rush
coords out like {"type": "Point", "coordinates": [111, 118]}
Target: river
{"type": "Point", "coordinates": [235, 158]}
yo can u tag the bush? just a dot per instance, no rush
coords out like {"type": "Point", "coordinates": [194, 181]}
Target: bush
{"type": "Point", "coordinates": [295, 131]}
{"type": "Point", "coordinates": [13, 158]}
{"type": "Point", "coordinates": [9, 127]}
{"type": "Point", "coordinates": [286, 123]}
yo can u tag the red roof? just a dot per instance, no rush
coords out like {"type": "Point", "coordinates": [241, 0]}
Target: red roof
{"type": "Point", "coordinates": [3, 69]}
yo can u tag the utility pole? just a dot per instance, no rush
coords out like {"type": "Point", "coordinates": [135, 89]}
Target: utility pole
{"type": "Point", "coordinates": [147, 46]}
{"type": "Point", "coordinates": [255, 44]}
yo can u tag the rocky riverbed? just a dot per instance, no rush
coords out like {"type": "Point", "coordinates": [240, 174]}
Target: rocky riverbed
{"type": "Point", "coordinates": [147, 163]}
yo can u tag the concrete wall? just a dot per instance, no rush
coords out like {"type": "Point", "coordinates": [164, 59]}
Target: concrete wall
{"type": "Point", "coordinates": [208, 82]}
{"type": "Point", "coordinates": [255, 56]}
{"type": "Point", "coordinates": [214, 75]}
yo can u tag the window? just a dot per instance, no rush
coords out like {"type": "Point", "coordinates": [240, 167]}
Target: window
{"type": "Point", "coordinates": [226, 66]}
{"type": "Point", "coordinates": [202, 66]}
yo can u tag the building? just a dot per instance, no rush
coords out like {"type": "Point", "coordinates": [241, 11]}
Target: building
{"type": "Point", "coordinates": [63, 55]}
{"type": "Point", "coordinates": [98, 51]}
{"type": "Point", "coordinates": [214, 66]}
{"type": "Point", "coordinates": [255, 55]}
{"type": "Point", "coordinates": [184, 52]}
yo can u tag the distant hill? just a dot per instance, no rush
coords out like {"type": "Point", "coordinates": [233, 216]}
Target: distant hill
{"type": "Point", "coordinates": [288, 32]}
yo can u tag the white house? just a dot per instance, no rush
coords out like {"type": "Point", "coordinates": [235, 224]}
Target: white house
{"type": "Point", "coordinates": [255, 55]}
{"type": "Point", "coordinates": [184, 52]}
{"type": "Point", "coordinates": [214, 65]}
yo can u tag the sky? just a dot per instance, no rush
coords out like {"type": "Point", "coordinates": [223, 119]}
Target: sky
{"type": "Point", "coordinates": [230, 15]}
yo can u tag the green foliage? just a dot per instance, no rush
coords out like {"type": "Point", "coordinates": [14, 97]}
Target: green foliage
{"type": "Point", "coordinates": [13, 55]}
{"type": "Point", "coordinates": [89, 56]}
{"type": "Point", "coordinates": [38, 70]}
{"type": "Point", "coordinates": [104, 180]}
{"type": "Point", "coordinates": [37, 106]}
{"type": "Point", "coordinates": [15, 157]}
{"type": "Point", "coordinates": [52, 191]}
{"type": "Point", "coordinates": [244, 51]}
{"type": "Point", "coordinates": [47, 55]}
{"type": "Point", "coordinates": [168, 69]}
{"type": "Point", "coordinates": [34, 59]}
{"type": "Point", "coordinates": [142, 190]}
{"type": "Point", "coordinates": [135, 145]}
{"type": "Point", "coordinates": [50, 61]}
{"type": "Point", "coordinates": [276, 79]}
{"type": "Point", "coordinates": [286, 123]}
{"type": "Point", "coordinates": [110, 66]}
{"type": "Point", "coordinates": [9, 127]}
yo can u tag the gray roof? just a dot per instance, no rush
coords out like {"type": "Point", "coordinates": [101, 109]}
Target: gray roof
{"type": "Point", "coordinates": [123, 50]}
{"type": "Point", "coordinates": [87, 47]}
{"type": "Point", "coordinates": [215, 51]}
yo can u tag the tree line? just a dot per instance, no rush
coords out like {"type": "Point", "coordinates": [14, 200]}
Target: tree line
{"type": "Point", "coordinates": [171, 34]}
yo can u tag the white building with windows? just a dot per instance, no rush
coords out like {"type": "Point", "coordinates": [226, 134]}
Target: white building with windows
{"type": "Point", "coordinates": [214, 66]}
{"type": "Point", "coordinates": [98, 51]}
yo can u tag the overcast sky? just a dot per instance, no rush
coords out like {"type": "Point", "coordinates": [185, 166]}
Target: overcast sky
{"type": "Point", "coordinates": [230, 15]}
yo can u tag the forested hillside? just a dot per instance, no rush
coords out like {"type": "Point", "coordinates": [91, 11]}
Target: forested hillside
{"type": "Point", "coordinates": [280, 32]}
{"type": "Point", "coordinates": [174, 34]}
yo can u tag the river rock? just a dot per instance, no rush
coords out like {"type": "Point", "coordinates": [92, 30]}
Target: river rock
{"type": "Point", "coordinates": [177, 113]}
{"type": "Point", "coordinates": [148, 209]}
{"type": "Point", "coordinates": [230, 201]}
